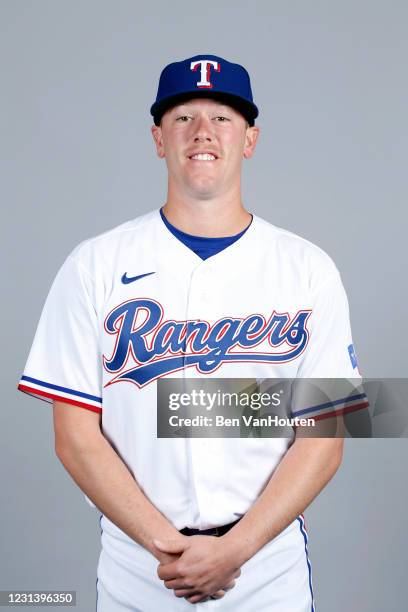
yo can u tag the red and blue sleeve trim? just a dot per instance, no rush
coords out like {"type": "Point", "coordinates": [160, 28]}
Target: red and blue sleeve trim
{"type": "Point", "coordinates": [334, 408]}
{"type": "Point", "coordinates": [49, 392]}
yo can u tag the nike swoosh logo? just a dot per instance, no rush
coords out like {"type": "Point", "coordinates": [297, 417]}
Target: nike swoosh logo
{"type": "Point", "coordinates": [131, 279]}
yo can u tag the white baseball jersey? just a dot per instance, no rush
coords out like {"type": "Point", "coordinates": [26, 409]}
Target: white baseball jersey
{"type": "Point", "coordinates": [135, 304]}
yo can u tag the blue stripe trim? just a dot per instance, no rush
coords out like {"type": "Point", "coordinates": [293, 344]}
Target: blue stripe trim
{"type": "Point", "coordinates": [309, 566]}
{"type": "Point", "coordinates": [64, 389]}
{"type": "Point", "coordinates": [330, 404]}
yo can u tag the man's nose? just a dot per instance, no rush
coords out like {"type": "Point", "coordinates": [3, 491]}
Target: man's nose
{"type": "Point", "coordinates": [203, 129]}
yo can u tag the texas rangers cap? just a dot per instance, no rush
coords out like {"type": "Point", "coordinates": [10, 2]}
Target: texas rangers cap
{"type": "Point", "coordinates": [205, 76]}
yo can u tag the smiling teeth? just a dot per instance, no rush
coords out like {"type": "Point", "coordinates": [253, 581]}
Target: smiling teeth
{"type": "Point", "coordinates": [203, 157]}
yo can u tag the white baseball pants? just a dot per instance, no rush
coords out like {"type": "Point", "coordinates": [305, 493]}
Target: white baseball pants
{"type": "Point", "coordinates": [277, 579]}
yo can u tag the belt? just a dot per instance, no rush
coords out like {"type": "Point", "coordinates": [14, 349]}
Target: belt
{"type": "Point", "coordinates": [213, 531]}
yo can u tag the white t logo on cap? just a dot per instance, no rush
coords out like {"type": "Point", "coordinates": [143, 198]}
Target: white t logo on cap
{"type": "Point", "coordinates": [205, 71]}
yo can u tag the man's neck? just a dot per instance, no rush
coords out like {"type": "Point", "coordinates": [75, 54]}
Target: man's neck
{"type": "Point", "coordinates": [209, 218]}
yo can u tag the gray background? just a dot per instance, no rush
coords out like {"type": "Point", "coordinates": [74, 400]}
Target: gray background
{"type": "Point", "coordinates": [77, 81]}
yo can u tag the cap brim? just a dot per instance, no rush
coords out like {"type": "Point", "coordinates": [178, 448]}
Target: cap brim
{"type": "Point", "coordinates": [247, 109]}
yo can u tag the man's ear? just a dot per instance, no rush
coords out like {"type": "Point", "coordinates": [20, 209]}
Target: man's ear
{"type": "Point", "coordinates": [251, 138]}
{"type": "Point", "coordinates": [158, 139]}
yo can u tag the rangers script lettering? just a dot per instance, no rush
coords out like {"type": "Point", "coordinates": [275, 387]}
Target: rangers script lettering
{"type": "Point", "coordinates": [210, 345]}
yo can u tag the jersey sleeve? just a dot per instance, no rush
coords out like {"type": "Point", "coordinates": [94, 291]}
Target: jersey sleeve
{"type": "Point", "coordinates": [329, 355]}
{"type": "Point", "coordinates": [65, 360]}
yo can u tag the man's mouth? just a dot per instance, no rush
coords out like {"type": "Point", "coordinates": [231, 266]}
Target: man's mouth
{"type": "Point", "coordinates": [203, 157]}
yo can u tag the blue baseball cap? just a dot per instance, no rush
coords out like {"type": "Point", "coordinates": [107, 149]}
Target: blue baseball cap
{"type": "Point", "coordinates": [205, 76]}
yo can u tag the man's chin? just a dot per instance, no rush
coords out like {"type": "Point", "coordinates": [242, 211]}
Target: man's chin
{"type": "Point", "coordinates": [203, 195]}
{"type": "Point", "coordinates": [203, 190]}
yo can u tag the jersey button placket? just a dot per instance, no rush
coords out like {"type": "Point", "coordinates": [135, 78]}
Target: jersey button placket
{"type": "Point", "coordinates": [199, 308]}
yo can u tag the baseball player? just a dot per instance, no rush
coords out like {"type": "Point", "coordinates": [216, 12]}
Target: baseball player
{"type": "Point", "coordinates": [197, 288]}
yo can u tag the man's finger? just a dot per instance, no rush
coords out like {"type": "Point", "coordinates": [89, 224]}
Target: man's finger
{"type": "Point", "coordinates": [178, 583]}
{"type": "Point", "coordinates": [186, 592]}
{"type": "Point", "coordinates": [166, 558]}
{"type": "Point", "coordinates": [171, 546]}
{"type": "Point", "coordinates": [168, 571]}
{"type": "Point", "coordinates": [200, 597]}
{"type": "Point", "coordinates": [218, 594]}
{"type": "Point", "coordinates": [229, 586]}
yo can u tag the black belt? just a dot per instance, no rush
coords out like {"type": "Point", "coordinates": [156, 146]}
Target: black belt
{"type": "Point", "coordinates": [213, 531]}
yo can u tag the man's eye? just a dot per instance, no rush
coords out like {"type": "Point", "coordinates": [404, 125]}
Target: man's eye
{"type": "Point", "coordinates": [182, 118]}
{"type": "Point", "coordinates": [223, 119]}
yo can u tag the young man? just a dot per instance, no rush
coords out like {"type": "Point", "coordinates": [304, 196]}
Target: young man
{"type": "Point", "coordinates": [198, 288]}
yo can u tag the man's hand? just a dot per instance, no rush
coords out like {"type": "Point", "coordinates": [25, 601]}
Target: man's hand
{"type": "Point", "coordinates": [206, 567]}
{"type": "Point", "coordinates": [166, 557]}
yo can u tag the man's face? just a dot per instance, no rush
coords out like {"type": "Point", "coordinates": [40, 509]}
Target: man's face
{"type": "Point", "coordinates": [199, 127]}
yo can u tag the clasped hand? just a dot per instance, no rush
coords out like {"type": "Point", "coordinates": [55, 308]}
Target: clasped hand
{"type": "Point", "coordinates": [197, 567]}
